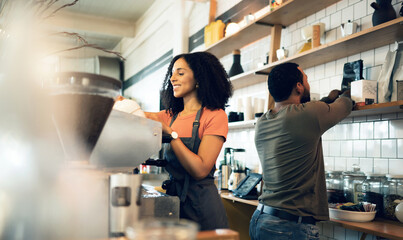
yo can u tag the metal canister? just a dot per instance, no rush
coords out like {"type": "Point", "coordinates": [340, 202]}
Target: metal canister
{"type": "Point", "coordinates": [124, 198]}
{"type": "Point", "coordinates": [224, 176]}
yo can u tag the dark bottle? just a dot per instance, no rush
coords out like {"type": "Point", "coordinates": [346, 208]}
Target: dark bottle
{"type": "Point", "coordinates": [384, 12]}
{"type": "Point", "coordinates": [236, 67]}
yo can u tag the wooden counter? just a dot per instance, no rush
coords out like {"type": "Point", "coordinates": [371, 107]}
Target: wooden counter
{"type": "Point", "coordinates": [379, 227]}
{"type": "Point", "coordinates": [218, 234]}
{"type": "Point", "coordinates": [228, 195]}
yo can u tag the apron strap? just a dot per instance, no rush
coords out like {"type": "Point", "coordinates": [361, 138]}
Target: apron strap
{"type": "Point", "coordinates": [173, 119]}
{"type": "Point", "coordinates": [195, 134]}
{"type": "Point", "coordinates": [195, 130]}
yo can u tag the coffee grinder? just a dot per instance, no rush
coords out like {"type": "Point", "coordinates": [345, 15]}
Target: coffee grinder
{"type": "Point", "coordinates": [97, 143]}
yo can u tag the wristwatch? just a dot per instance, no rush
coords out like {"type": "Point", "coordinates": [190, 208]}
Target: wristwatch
{"type": "Point", "coordinates": [174, 135]}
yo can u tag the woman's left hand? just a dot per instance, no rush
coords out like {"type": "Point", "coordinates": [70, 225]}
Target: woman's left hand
{"type": "Point", "coordinates": [154, 116]}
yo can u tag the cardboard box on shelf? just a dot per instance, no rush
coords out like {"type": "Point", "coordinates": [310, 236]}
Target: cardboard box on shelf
{"type": "Point", "coordinates": [364, 91]}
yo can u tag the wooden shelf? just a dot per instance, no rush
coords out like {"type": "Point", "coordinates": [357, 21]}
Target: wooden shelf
{"type": "Point", "coordinates": [247, 79]}
{"type": "Point", "coordinates": [364, 40]}
{"type": "Point", "coordinates": [246, 35]}
{"type": "Point", "coordinates": [378, 227]}
{"type": "Point", "coordinates": [379, 108]}
{"type": "Point", "coordinates": [294, 10]}
{"type": "Point", "coordinates": [371, 38]}
{"type": "Point", "coordinates": [373, 109]}
{"type": "Point", "coordinates": [290, 12]}
{"type": "Point", "coordinates": [242, 124]}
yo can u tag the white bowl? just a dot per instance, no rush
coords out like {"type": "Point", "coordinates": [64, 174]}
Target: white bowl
{"type": "Point", "coordinates": [351, 216]}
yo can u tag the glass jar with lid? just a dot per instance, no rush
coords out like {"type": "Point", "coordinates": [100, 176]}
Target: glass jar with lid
{"type": "Point", "coordinates": [352, 184]}
{"type": "Point", "coordinates": [372, 191]}
{"type": "Point", "coordinates": [239, 159]}
{"type": "Point", "coordinates": [393, 194]}
{"type": "Point", "coordinates": [334, 187]}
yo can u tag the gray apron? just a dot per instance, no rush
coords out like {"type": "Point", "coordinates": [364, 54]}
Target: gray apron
{"type": "Point", "coordinates": [199, 200]}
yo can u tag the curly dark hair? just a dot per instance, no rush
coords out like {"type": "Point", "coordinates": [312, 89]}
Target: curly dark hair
{"type": "Point", "coordinates": [214, 88]}
{"type": "Point", "coordinates": [282, 79]}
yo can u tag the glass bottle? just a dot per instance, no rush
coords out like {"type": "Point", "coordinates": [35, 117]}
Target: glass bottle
{"type": "Point", "coordinates": [236, 67]}
{"type": "Point", "coordinates": [353, 185]}
{"type": "Point", "coordinates": [334, 186]}
{"type": "Point", "coordinates": [372, 191]}
{"type": "Point", "coordinates": [392, 194]}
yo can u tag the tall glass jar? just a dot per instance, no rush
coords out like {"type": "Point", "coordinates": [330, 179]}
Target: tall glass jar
{"type": "Point", "coordinates": [353, 185]}
{"type": "Point", "coordinates": [334, 186]}
{"type": "Point", "coordinates": [372, 191]}
{"type": "Point", "coordinates": [393, 192]}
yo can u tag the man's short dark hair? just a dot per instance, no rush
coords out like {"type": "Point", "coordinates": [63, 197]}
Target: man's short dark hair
{"type": "Point", "coordinates": [282, 79]}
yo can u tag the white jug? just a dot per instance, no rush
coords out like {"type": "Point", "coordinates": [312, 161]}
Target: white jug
{"type": "Point", "coordinates": [348, 28]}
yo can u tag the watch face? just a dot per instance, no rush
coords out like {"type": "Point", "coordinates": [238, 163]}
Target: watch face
{"type": "Point", "coordinates": [174, 135]}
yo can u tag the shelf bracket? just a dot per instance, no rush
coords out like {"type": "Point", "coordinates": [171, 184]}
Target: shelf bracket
{"type": "Point", "coordinates": [267, 24]}
{"type": "Point", "coordinates": [264, 24]}
{"type": "Point", "coordinates": [262, 73]}
{"type": "Point", "coordinates": [275, 42]}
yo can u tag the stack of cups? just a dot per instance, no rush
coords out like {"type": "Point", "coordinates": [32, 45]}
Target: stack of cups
{"type": "Point", "coordinates": [239, 105]}
{"type": "Point", "coordinates": [249, 111]}
{"type": "Point", "coordinates": [258, 105]}
{"type": "Point", "coordinates": [249, 108]}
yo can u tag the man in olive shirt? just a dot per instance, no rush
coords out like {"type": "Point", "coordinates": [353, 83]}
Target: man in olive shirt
{"type": "Point", "coordinates": [289, 145]}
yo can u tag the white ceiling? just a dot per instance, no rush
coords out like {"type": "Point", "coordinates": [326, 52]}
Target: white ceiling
{"type": "Point", "coordinates": [103, 23]}
{"type": "Point", "coordinates": [100, 22]}
{"type": "Point", "coordinates": [124, 10]}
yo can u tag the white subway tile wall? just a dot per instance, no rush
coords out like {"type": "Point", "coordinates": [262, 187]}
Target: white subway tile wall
{"type": "Point", "coordinates": [374, 142]}
{"type": "Point", "coordinates": [367, 164]}
{"type": "Point", "coordinates": [400, 148]}
{"type": "Point", "coordinates": [374, 148]}
{"type": "Point", "coordinates": [381, 165]}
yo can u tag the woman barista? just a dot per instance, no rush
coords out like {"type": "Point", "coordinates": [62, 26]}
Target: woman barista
{"type": "Point", "coordinates": [195, 91]}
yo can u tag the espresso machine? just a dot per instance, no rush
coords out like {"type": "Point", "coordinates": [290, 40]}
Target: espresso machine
{"type": "Point", "coordinates": [128, 140]}
{"type": "Point", "coordinates": [102, 146]}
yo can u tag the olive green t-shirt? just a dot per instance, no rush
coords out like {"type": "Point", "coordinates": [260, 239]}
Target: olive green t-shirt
{"type": "Point", "coordinates": [289, 146]}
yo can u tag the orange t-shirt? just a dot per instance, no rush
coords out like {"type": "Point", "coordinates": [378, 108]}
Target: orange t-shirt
{"type": "Point", "coordinates": [212, 122]}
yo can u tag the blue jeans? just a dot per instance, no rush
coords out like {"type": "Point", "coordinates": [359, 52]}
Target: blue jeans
{"type": "Point", "coordinates": [267, 227]}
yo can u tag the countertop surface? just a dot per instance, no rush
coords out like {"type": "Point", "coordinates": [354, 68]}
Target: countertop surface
{"type": "Point", "coordinates": [218, 234]}
{"type": "Point", "coordinates": [378, 227]}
